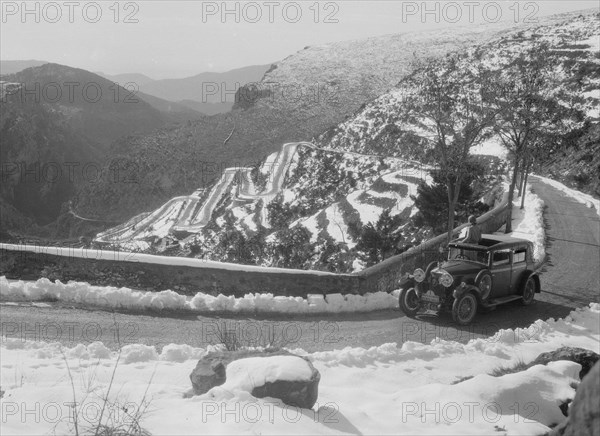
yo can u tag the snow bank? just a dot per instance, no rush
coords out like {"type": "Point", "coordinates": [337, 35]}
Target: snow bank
{"type": "Point", "coordinates": [125, 298]}
{"type": "Point", "coordinates": [586, 199]}
{"type": "Point", "coordinates": [529, 222]}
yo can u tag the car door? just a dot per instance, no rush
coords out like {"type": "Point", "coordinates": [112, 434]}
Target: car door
{"type": "Point", "coordinates": [501, 270]}
{"type": "Point", "coordinates": [519, 263]}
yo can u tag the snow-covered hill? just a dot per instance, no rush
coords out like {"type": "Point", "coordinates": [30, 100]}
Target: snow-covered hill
{"type": "Point", "coordinates": [575, 51]}
{"type": "Point", "coordinates": [326, 194]}
{"type": "Point", "coordinates": [319, 205]}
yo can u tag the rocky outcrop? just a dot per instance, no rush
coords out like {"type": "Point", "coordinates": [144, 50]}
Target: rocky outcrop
{"type": "Point", "coordinates": [584, 414]}
{"type": "Point", "coordinates": [586, 358]}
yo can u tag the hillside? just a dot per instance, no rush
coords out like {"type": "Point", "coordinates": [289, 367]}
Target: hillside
{"type": "Point", "coordinates": [300, 97]}
{"type": "Point", "coordinates": [57, 124]}
{"type": "Point", "coordinates": [303, 207]}
{"type": "Point", "coordinates": [381, 125]}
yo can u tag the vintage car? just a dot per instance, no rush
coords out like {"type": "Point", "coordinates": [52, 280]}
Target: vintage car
{"type": "Point", "coordinates": [497, 270]}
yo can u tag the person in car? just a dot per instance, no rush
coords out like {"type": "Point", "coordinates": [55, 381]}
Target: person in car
{"type": "Point", "coordinates": [473, 235]}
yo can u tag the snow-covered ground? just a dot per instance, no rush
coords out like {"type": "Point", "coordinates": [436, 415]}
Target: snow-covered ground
{"type": "Point", "coordinates": [528, 223]}
{"type": "Point", "coordinates": [381, 390]}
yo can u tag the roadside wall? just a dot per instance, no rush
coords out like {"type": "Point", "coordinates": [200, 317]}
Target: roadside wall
{"type": "Point", "coordinates": [187, 280]}
{"type": "Point", "coordinates": [385, 275]}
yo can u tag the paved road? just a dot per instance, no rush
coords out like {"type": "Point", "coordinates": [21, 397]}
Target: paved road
{"type": "Point", "coordinates": [572, 274]}
{"type": "Point", "coordinates": [570, 280]}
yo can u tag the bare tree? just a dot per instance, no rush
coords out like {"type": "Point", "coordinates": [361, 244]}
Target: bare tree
{"type": "Point", "coordinates": [531, 110]}
{"type": "Point", "coordinates": [446, 101]}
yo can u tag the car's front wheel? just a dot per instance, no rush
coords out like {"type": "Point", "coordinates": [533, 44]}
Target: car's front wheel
{"type": "Point", "coordinates": [528, 292]}
{"type": "Point", "coordinates": [409, 301]}
{"type": "Point", "coordinates": [464, 308]}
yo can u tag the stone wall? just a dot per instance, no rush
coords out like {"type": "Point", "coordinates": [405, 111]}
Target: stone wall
{"type": "Point", "coordinates": [385, 275]}
{"type": "Point", "coordinates": [185, 280]}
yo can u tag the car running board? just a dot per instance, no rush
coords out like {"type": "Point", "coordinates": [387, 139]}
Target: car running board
{"type": "Point", "coordinates": [502, 300]}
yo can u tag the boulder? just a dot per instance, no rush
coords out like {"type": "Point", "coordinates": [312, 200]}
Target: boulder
{"type": "Point", "coordinates": [584, 413]}
{"type": "Point", "coordinates": [210, 369]}
{"type": "Point", "coordinates": [586, 358]}
{"type": "Point", "coordinates": [302, 393]}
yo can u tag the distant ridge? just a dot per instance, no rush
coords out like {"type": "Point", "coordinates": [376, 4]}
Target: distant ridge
{"type": "Point", "coordinates": [11, 67]}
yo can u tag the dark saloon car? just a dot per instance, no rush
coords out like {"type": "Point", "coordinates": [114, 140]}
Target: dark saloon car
{"type": "Point", "coordinates": [497, 270]}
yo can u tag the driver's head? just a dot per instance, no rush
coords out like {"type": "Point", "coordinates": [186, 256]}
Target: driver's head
{"type": "Point", "coordinates": [472, 220]}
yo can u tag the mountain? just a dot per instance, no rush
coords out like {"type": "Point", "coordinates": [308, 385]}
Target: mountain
{"type": "Point", "coordinates": [63, 119]}
{"type": "Point", "coordinates": [333, 203]}
{"type": "Point", "coordinates": [205, 87]}
{"type": "Point", "coordinates": [575, 51]}
{"type": "Point", "coordinates": [297, 99]}
{"type": "Point", "coordinates": [11, 67]}
{"type": "Point", "coordinates": [92, 104]}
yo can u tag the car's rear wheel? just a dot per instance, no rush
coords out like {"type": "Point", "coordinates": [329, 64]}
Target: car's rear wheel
{"type": "Point", "coordinates": [484, 283]}
{"type": "Point", "coordinates": [528, 292]}
{"type": "Point", "coordinates": [409, 301]}
{"type": "Point", "coordinates": [464, 308]}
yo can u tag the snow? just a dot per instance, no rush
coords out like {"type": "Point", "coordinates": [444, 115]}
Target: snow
{"type": "Point", "coordinates": [125, 298]}
{"type": "Point", "coordinates": [586, 199]}
{"type": "Point", "coordinates": [388, 389]}
{"type": "Point", "coordinates": [243, 375]}
{"type": "Point", "coordinates": [369, 213]}
{"type": "Point", "coordinates": [529, 222]}
{"type": "Point", "coordinates": [492, 147]}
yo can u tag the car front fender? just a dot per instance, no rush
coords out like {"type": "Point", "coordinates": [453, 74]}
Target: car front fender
{"type": "Point", "coordinates": [463, 288]}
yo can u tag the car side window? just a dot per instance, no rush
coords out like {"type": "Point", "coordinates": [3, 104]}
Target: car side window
{"type": "Point", "coordinates": [501, 258]}
{"type": "Point", "coordinates": [519, 256]}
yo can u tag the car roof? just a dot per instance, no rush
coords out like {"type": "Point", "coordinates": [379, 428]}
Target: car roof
{"type": "Point", "coordinates": [496, 242]}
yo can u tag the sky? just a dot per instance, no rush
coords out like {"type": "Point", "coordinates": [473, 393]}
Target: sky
{"type": "Point", "coordinates": [173, 39]}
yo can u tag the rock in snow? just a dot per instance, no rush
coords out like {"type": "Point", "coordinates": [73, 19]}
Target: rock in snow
{"type": "Point", "coordinates": [263, 373]}
{"type": "Point", "coordinates": [586, 358]}
{"type": "Point", "coordinates": [584, 415]}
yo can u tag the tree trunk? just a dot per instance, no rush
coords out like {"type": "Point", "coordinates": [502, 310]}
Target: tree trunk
{"type": "Point", "coordinates": [511, 194]}
{"type": "Point", "coordinates": [527, 168]}
{"type": "Point", "coordinates": [451, 207]}
{"type": "Point", "coordinates": [520, 182]}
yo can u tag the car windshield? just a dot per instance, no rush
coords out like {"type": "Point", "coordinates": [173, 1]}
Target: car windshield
{"type": "Point", "coordinates": [466, 254]}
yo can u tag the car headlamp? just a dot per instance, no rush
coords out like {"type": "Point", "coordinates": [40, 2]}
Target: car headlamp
{"type": "Point", "coordinates": [446, 279]}
{"type": "Point", "coordinates": [419, 275]}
